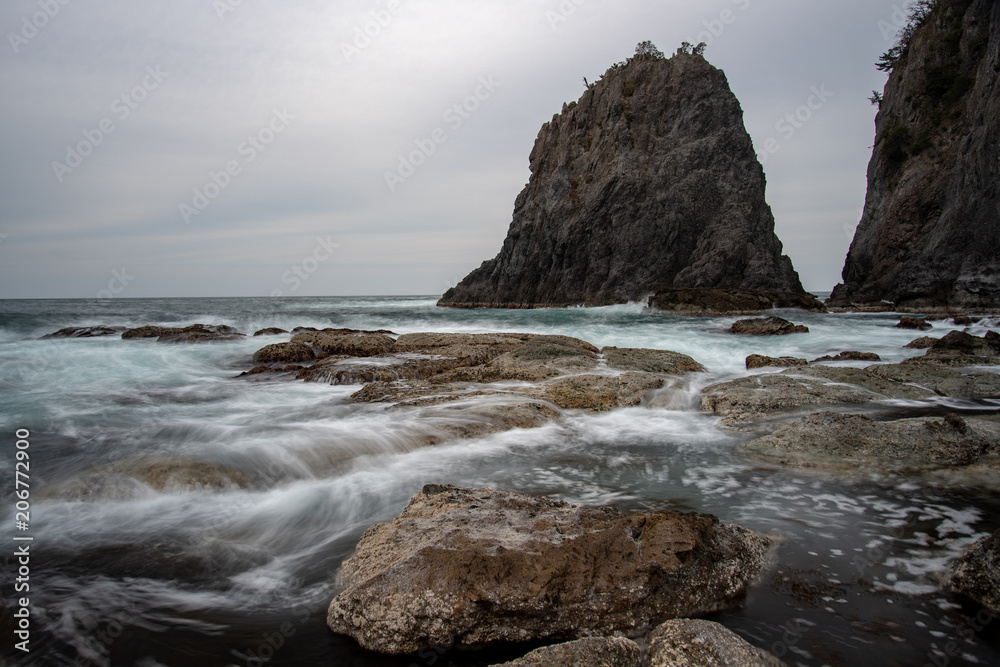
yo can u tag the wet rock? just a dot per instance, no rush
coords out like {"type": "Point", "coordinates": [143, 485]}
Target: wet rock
{"type": "Point", "coordinates": [922, 343]}
{"type": "Point", "coordinates": [850, 355]}
{"type": "Point", "coordinates": [730, 301]}
{"type": "Point", "coordinates": [700, 643]}
{"type": "Point", "coordinates": [472, 349]}
{"type": "Point", "coordinates": [940, 379]}
{"type": "Point", "coordinates": [196, 333]}
{"type": "Point", "coordinates": [347, 342]}
{"type": "Point", "coordinates": [479, 567]}
{"type": "Point", "coordinates": [965, 321]}
{"type": "Point", "coordinates": [833, 439]}
{"type": "Point", "coordinates": [761, 361]}
{"type": "Point", "coordinates": [270, 331]}
{"type": "Point", "coordinates": [342, 370]}
{"type": "Point", "coordinates": [909, 322]}
{"type": "Point", "coordinates": [539, 358]}
{"type": "Point", "coordinates": [85, 332]}
{"type": "Point", "coordinates": [283, 353]}
{"type": "Point", "coordinates": [961, 349]}
{"type": "Point", "coordinates": [265, 369]}
{"type": "Point", "coordinates": [977, 573]}
{"type": "Point", "coordinates": [589, 652]}
{"type": "Point", "coordinates": [758, 396]}
{"type": "Point", "coordinates": [650, 361]}
{"type": "Point", "coordinates": [598, 392]}
{"type": "Point", "coordinates": [132, 478]}
{"type": "Point", "coordinates": [767, 326]}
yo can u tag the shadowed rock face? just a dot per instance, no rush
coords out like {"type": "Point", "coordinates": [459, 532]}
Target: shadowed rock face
{"type": "Point", "coordinates": [929, 236]}
{"type": "Point", "coordinates": [649, 182]}
{"type": "Point", "coordinates": [977, 573]}
{"type": "Point", "coordinates": [699, 643]}
{"type": "Point", "coordinates": [476, 567]}
{"type": "Point", "coordinates": [589, 652]}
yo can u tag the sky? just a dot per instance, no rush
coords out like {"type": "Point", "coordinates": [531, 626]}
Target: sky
{"type": "Point", "coordinates": [306, 148]}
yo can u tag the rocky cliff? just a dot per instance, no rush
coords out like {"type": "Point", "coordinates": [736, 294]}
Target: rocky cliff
{"type": "Point", "coordinates": [648, 182]}
{"type": "Point", "coordinates": [930, 233]}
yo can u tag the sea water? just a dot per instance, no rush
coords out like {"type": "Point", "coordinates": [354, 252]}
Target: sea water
{"type": "Point", "coordinates": [243, 577]}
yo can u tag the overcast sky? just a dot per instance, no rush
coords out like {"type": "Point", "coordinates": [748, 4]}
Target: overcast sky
{"type": "Point", "coordinates": [240, 147]}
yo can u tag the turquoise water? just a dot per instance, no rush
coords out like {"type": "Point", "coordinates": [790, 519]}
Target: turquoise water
{"type": "Point", "coordinates": [244, 577]}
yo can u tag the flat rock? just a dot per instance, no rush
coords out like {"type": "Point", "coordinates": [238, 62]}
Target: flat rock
{"type": "Point", "coordinates": [344, 370]}
{"type": "Point", "coordinates": [833, 439]}
{"type": "Point", "coordinates": [650, 361]}
{"type": "Point", "coordinates": [589, 652]}
{"type": "Point", "coordinates": [196, 333]}
{"type": "Point", "coordinates": [283, 353]}
{"type": "Point", "coordinates": [347, 342]}
{"type": "Point", "coordinates": [597, 392]}
{"type": "Point", "coordinates": [940, 379]}
{"type": "Point", "coordinates": [762, 361]}
{"type": "Point", "coordinates": [699, 643]}
{"type": "Point", "coordinates": [977, 573]}
{"type": "Point", "coordinates": [767, 326]}
{"type": "Point", "coordinates": [730, 301]}
{"type": "Point", "coordinates": [85, 332]}
{"type": "Point", "coordinates": [476, 567]}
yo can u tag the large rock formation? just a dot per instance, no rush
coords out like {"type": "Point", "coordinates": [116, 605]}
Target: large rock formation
{"type": "Point", "coordinates": [930, 233]}
{"type": "Point", "coordinates": [649, 182]}
{"type": "Point", "coordinates": [476, 567]}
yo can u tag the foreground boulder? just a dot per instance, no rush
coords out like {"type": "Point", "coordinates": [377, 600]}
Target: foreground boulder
{"type": "Point", "coordinates": [699, 643]}
{"type": "Point", "coordinates": [589, 652]}
{"type": "Point", "coordinates": [347, 342]}
{"type": "Point", "coordinates": [977, 573]}
{"type": "Point", "coordinates": [649, 182]}
{"type": "Point", "coordinates": [958, 348]}
{"type": "Point", "coordinates": [478, 567]}
{"type": "Point", "coordinates": [846, 440]}
{"type": "Point", "coordinates": [763, 361]}
{"type": "Point", "coordinates": [767, 326]}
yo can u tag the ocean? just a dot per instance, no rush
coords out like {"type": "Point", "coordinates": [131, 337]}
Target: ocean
{"type": "Point", "coordinates": [243, 577]}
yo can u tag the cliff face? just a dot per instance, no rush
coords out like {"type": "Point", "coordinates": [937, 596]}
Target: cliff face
{"type": "Point", "coordinates": [649, 182]}
{"type": "Point", "coordinates": [930, 233]}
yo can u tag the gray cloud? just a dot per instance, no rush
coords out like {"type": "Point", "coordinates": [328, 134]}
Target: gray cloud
{"type": "Point", "coordinates": [356, 110]}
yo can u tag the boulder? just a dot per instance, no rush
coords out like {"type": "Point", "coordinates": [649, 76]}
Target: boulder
{"type": "Point", "coordinates": [283, 353]}
{"type": "Point", "coordinates": [977, 573]}
{"type": "Point", "coordinates": [958, 348]}
{"type": "Point", "coordinates": [761, 361]}
{"type": "Point", "coordinates": [196, 333]}
{"type": "Point", "coordinates": [478, 567]}
{"type": "Point", "coordinates": [589, 652]}
{"type": "Point", "coordinates": [767, 326]}
{"type": "Point", "coordinates": [922, 343]}
{"type": "Point", "coordinates": [699, 643]}
{"type": "Point", "coordinates": [833, 439]}
{"type": "Point", "coordinates": [730, 301]}
{"type": "Point", "coordinates": [909, 322]}
{"type": "Point", "coordinates": [85, 332]}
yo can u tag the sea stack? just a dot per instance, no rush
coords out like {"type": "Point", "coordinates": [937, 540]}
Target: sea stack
{"type": "Point", "coordinates": [649, 182]}
{"type": "Point", "coordinates": [929, 237]}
